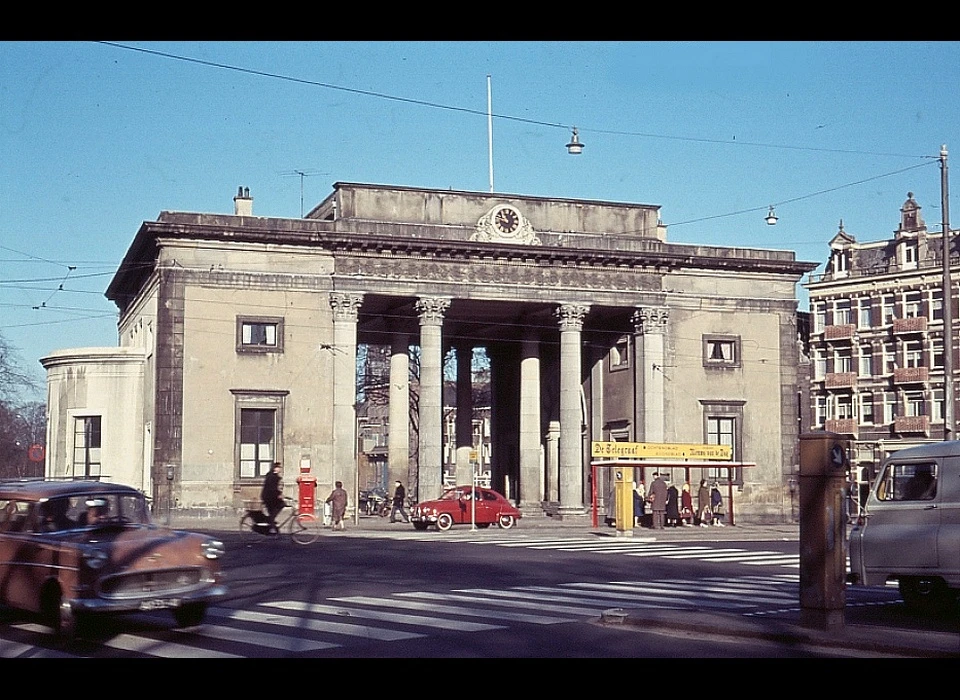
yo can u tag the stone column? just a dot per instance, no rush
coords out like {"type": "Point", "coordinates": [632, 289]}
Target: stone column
{"type": "Point", "coordinates": [429, 479]}
{"type": "Point", "coordinates": [398, 440]}
{"type": "Point", "coordinates": [345, 306]}
{"type": "Point", "coordinates": [650, 324]}
{"type": "Point", "coordinates": [531, 467]}
{"type": "Point", "coordinates": [552, 462]}
{"type": "Point", "coordinates": [570, 317]}
{"type": "Point", "coordinates": [464, 430]}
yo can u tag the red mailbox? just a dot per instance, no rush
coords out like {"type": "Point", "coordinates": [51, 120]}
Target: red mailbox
{"type": "Point", "coordinates": [306, 492]}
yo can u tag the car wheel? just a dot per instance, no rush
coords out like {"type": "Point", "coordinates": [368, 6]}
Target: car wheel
{"type": "Point", "coordinates": [926, 595]}
{"type": "Point", "coordinates": [444, 522]}
{"type": "Point", "coordinates": [58, 614]}
{"type": "Point", "coordinates": [190, 615]}
{"type": "Point", "coordinates": [420, 526]}
{"type": "Point", "coordinates": [506, 521]}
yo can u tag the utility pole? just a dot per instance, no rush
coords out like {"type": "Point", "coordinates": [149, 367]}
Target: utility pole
{"type": "Point", "coordinates": [948, 388]}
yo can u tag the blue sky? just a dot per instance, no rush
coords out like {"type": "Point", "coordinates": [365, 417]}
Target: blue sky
{"type": "Point", "coordinates": [95, 138]}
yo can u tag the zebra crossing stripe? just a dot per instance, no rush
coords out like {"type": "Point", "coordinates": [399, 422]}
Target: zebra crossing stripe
{"type": "Point", "coordinates": [419, 620]}
{"type": "Point", "coordinates": [407, 604]}
{"type": "Point", "coordinates": [263, 639]}
{"type": "Point", "coordinates": [163, 649]}
{"type": "Point", "coordinates": [364, 631]}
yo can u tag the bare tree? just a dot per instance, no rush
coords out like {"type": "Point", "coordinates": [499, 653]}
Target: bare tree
{"type": "Point", "coordinates": [22, 424]}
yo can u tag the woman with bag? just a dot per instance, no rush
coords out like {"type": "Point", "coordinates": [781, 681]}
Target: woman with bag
{"type": "Point", "coordinates": [686, 506]}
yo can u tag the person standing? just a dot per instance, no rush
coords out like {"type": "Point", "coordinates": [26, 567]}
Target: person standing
{"type": "Point", "coordinates": [672, 514]}
{"type": "Point", "coordinates": [272, 496]}
{"type": "Point", "coordinates": [399, 503]}
{"type": "Point", "coordinates": [658, 501]}
{"type": "Point", "coordinates": [704, 518]}
{"type": "Point", "coordinates": [686, 505]}
{"type": "Point", "coordinates": [639, 504]}
{"type": "Point", "coordinates": [716, 505]}
{"type": "Point", "coordinates": [338, 506]}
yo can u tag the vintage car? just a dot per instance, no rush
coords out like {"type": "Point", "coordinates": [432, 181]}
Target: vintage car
{"type": "Point", "coordinates": [465, 505]}
{"type": "Point", "coordinates": [70, 550]}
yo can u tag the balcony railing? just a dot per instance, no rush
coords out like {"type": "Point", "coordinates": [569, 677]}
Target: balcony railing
{"type": "Point", "coordinates": [843, 426]}
{"type": "Point", "coordinates": [911, 375]}
{"type": "Point", "coordinates": [917, 324]}
{"type": "Point", "coordinates": [840, 380]}
{"type": "Point", "coordinates": [912, 424]}
{"type": "Point", "coordinates": [839, 332]}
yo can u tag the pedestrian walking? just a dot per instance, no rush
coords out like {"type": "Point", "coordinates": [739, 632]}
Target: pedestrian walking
{"type": "Point", "coordinates": [704, 516]}
{"type": "Point", "coordinates": [716, 505]}
{"type": "Point", "coordinates": [338, 502]}
{"type": "Point", "coordinates": [399, 503]}
{"type": "Point", "coordinates": [658, 501]}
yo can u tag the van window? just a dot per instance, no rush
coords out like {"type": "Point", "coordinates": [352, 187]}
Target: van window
{"type": "Point", "coordinates": [908, 482]}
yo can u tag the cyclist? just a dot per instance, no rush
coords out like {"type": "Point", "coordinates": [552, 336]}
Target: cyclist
{"type": "Point", "coordinates": [272, 496]}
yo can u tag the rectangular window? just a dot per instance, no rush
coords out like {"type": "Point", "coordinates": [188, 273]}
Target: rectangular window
{"type": "Point", "coordinates": [819, 365]}
{"type": "Point", "coordinates": [720, 431]}
{"type": "Point", "coordinates": [911, 305]}
{"type": "Point", "coordinates": [936, 353]}
{"type": "Point", "coordinates": [843, 407]}
{"type": "Point", "coordinates": [888, 310]}
{"type": "Point", "coordinates": [259, 334]}
{"type": "Point", "coordinates": [820, 411]}
{"type": "Point", "coordinates": [257, 441]}
{"type": "Point", "coordinates": [936, 305]}
{"type": "Point", "coordinates": [889, 358]}
{"type": "Point", "coordinates": [863, 314]}
{"type": "Point", "coordinates": [842, 362]}
{"type": "Point", "coordinates": [620, 354]}
{"type": "Point", "coordinates": [913, 353]}
{"type": "Point", "coordinates": [841, 312]}
{"type": "Point", "coordinates": [889, 406]}
{"type": "Point", "coordinates": [914, 404]}
{"type": "Point", "coordinates": [819, 318]}
{"type": "Point", "coordinates": [936, 405]}
{"type": "Point", "coordinates": [86, 447]}
{"type": "Point", "coordinates": [866, 408]}
{"type": "Point", "coordinates": [866, 361]}
{"type": "Point", "coordinates": [721, 351]}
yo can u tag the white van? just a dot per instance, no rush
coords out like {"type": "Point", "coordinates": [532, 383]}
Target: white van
{"type": "Point", "coordinates": [909, 528]}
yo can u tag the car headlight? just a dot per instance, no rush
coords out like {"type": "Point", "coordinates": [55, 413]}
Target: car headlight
{"type": "Point", "coordinates": [94, 558]}
{"type": "Point", "coordinates": [212, 549]}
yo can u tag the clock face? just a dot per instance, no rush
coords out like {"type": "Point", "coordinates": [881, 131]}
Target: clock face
{"type": "Point", "coordinates": [506, 220]}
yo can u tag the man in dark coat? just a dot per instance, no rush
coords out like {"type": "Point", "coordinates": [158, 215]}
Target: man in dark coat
{"type": "Point", "coordinates": [399, 504]}
{"type": "Point", "coordinates": [272, 496]}
{"type": "Point", "coordinates": [672, 514]}
{"type": "Point", "coordinates": [658, 501]}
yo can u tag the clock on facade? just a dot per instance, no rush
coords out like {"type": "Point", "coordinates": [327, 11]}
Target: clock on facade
{"type": "Point", "coordinates": [506, 220]}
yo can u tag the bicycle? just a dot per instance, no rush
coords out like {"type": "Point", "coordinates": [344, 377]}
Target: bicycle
{"type": "Point", "coordinates": [303, 528]}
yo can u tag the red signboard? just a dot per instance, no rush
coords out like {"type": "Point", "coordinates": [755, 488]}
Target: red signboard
{"type": "Point", "coordinates": [35, 453]}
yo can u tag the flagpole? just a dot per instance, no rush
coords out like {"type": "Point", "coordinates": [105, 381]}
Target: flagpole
{"type": "Point", "coordinates": [490, 131]}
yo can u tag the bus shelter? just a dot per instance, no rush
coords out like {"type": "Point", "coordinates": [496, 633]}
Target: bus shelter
{"type": "Point", "coordinates": [658, 464]}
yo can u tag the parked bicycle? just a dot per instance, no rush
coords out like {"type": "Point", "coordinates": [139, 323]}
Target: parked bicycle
{"type": "Point", "coordinates": [303, 528]}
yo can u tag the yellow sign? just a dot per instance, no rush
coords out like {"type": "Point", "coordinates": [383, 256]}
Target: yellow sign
{"type": "Point", "coordinates": [660, 450]}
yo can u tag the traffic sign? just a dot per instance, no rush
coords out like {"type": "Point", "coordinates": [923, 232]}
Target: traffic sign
{"type": "Point", "coordinates": [35, 452]}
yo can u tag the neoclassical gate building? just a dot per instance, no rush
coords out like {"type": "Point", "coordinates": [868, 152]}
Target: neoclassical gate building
{"type": "Point", "coordinates": [239, 337]}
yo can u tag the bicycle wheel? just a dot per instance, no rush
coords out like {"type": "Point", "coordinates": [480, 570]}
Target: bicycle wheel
{"type": "Point", "coordinates": [248, 532]}
{"type": "Point", "coordinates": [305, 528]}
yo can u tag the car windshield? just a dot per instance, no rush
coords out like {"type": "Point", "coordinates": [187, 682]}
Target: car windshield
{"type": "Point", "coordinates": [93, 510]}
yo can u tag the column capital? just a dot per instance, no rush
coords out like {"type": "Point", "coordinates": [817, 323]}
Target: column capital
{"type": "Point", "coordinates": [650, 319]}
{"type": "Point", "coordinates": [570, 316]}
{"type": "Point", "coordinates": [345, 305]}
{"type": "Point", "coordinates": [432, 310]}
